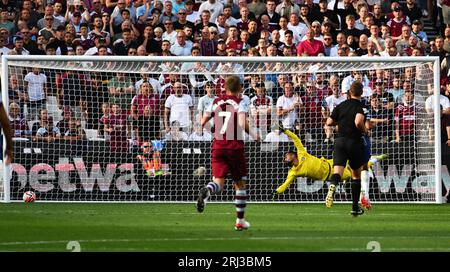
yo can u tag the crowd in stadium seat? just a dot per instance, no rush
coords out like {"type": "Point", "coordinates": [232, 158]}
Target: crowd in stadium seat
{"type": "Point", "coordinates": [119, 103]}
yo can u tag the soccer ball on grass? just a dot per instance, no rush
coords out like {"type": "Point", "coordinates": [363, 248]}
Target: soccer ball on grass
{"type": "Point", "coordinates": [29, 196]}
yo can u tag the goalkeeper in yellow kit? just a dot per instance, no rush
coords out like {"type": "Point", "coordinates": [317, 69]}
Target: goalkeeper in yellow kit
{"type": "Point", "coordinates": [304, 164]}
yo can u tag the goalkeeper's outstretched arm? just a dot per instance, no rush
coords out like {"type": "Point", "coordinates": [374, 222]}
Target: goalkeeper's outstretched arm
{"type": "Point", "coordinates": [297, 142]}
{"type": "Point", "coordinates": [290, 178]}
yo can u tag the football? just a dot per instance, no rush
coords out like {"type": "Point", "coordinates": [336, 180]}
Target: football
{"type": "Point", "coordinates": [199, 171]}
{"type": "Point", "coordinates": [29, 196]}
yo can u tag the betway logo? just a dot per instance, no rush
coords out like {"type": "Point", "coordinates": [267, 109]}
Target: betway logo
{"type": "Point", "coordinates": [42, 175]}
{"type": "Point", "coordinates": [423, 183]}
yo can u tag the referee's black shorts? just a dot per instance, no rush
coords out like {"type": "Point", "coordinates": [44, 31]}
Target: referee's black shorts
{"type": "Point", "coordinates": [351, 150]}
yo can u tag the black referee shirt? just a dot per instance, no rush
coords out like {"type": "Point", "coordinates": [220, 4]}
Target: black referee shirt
{"type": "Point", "coordinates": [344, 114]}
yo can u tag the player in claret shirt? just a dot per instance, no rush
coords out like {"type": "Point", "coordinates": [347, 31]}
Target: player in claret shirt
{"type": "Point", "coordinates": [230, 120]}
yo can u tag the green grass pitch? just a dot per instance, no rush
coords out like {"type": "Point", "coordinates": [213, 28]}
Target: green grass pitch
{"type": "Point", "coordinates": [178, 227]}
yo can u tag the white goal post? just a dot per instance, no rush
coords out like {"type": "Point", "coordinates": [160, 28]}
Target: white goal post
{"type": "Point", "coordinates": [83, 124]}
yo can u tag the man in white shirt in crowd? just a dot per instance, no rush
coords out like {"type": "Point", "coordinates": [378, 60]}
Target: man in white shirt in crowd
{"type": "Point", "coordinates": [214, 7]}
{"type": "Point", "coordinates": [288, 106]}
{"type": "Point", "coordinates": [36, 92]}
{"type": "Point", "coordinates": [179, 107]}
{"type": "Point", "coordinates": [181, 47]}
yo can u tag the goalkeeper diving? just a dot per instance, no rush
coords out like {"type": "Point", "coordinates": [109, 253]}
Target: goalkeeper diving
{"type": "Point", "coordinates": [304, 164]}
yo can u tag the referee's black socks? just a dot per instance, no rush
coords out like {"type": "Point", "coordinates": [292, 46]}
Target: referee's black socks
{"type": "Point", "coordinates": [356, 191]}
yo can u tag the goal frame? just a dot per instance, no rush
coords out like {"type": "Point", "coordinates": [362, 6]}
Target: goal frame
{"type": "Point", "coordinates": [436, 88]}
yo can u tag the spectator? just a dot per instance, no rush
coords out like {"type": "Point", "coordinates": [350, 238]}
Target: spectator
{"type": "Point", "coordinates": [121, 46]}
{"type": "Point", "coordinates": [305, 15]}
{"type": "Point", "coordinates": [97, 91]}
{"type": "Point", "coordinates": [74, 132]}
{"type": "Point", "coordinates": [440, 52]}
{"type": "Point", "coordinates": [362, 46]}
{"type": "Point", "coordinates": [19, 125]}
{"type": "Point", "coordinates": [221, 48]}
{"type": "Point", "coordinates": [179, 24]}
{"type": "Point", "coordinates": [282, 27]}
{"type": "Point", "coordinates": [261, 110]}
{"type": "Point", "coordinates": [351, 30]}
{"type": "Point", "coordinates": [419, 33]}
{"type": "Point", "coordinates": [412, 11]}
{"type": "Point", "coordinates": [311, 113]}
{"type": "Point", "coordinates": [289, 44]}
{"type": "Point", "coordinates": [274, 17]}
{"type": "Point", "coordinates": [179, 107]}
{"type": "Point", "coordinates": [287, 8]}
{"type": "Point", "coordinates": [124, 10]}
{"type": "Point", "coordinates": [242, 23]}
{"type": "Point", "coordinates": [121, 91]}
{"type": "Point", "coordinates": [156, 85]}
{"type": "Point", "coordinates": [276, 136]}
{"type": "Point", "coordinates": [343, 11]}
{"type": "Point", "coordinates": [396, 24]}
{"type": "Point", "coordinates": [412, 45]}
{"type": "Point", "coordinates": [396, 90]}
{"type": "Point", "coordinates": [47, 132]}
{"type": "Point", "coordinates": [199, 75]}
{"type": "Point", "coordinates": [382, 120]}
{"type": "Point", "coordinates": [48, 31]}
{"type": "Point", "coordinates": [206, 101]}
{"type": "Point", "coordinates": [444, 102]}
{"type": "Point", "coordinates": [204, 21]}
{"type": "Point", "coordinates": [329, 103]}
{"type": "Point", "coordinates": [4, 22]}
{"type": "Point", "coordinates": [363, 13]}
{"type": "Point", "coordinates": [167, 14]}
{"type": "Point", "coordinates": [181, 47]}
{"type": "Point", "coordinates": [97, 9]}
{"type": "Point", "coordinates": [147, 97]}
{"type": "Point", "coordinates": [375, 38]}
{"type": "Point", "coordinates": [147, 126]}
{"type": "Point", "coordinates": [170, 34]}
{"type": "Point", "coordinates": [288, 106]}
{"type": "Point", "coordinates": [233, 42]}
{"type": "Point", "coordinates": [379, 18]}
{"type": "Point", "coordinates": [115, 125]}
{"type": "Point", "coordinates": [104, 120]}
{"type": "Point", "coordinates": [98, 30]}
{"type": "Point", "coordinates": [327, 44]}
{"type": "Point", "coordinates": [18, 47]}
{"type": "Point", "coordinates": [72, 93]}
{"type": "Point", "coordinates": [58, 41]}
{"type": "Point", "coordinates": [324, 15]}
{"type": "Point", "coordinates": [78, 6]}
{"type": "Point", "coordinates": [406, 116]}
{"type": "Point", "coordinates": [310, 46]}
{"type": "Point", "coordinates": [174, 133]}
{"type": "Point", "coordinates": [206, 44]}
{"type": "Point", "coordinates": [16, 93]}
{"type": "Point", "coordinates": [341, 40]}
{"type": "Point", "coordinates": [298, 28]}
{"type": "Point", "coordinates": [214, 7]}
{"type": "Point", "coordinates": [63, 124]}
{"type": "Point", "coordinates": [191, 14]}
{"type": "Point", "coordinates": [386, 98]}
{"type": "Point", "coordinates": [58, 12]}
{"type": "Point", "coordinates": [36, 92]}
{"type": "Point", "coordinates": [199, 134]}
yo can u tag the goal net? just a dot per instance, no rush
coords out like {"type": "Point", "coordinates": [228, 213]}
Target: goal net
{"type": "Point", "coordinates": [101, 129]}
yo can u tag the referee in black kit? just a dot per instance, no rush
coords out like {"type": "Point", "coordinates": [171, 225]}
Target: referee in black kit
{"type": "Point", "coordinates": [350, 118]}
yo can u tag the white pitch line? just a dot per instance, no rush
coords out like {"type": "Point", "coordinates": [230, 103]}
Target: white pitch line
{"type": "Point", "coordinates": [215, 239]}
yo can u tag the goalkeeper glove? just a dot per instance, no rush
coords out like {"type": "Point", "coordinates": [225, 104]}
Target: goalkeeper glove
{"type": "Point", "coordinates": [274, 195]}
{"type": "Point", "coordinates": [281, 127]}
